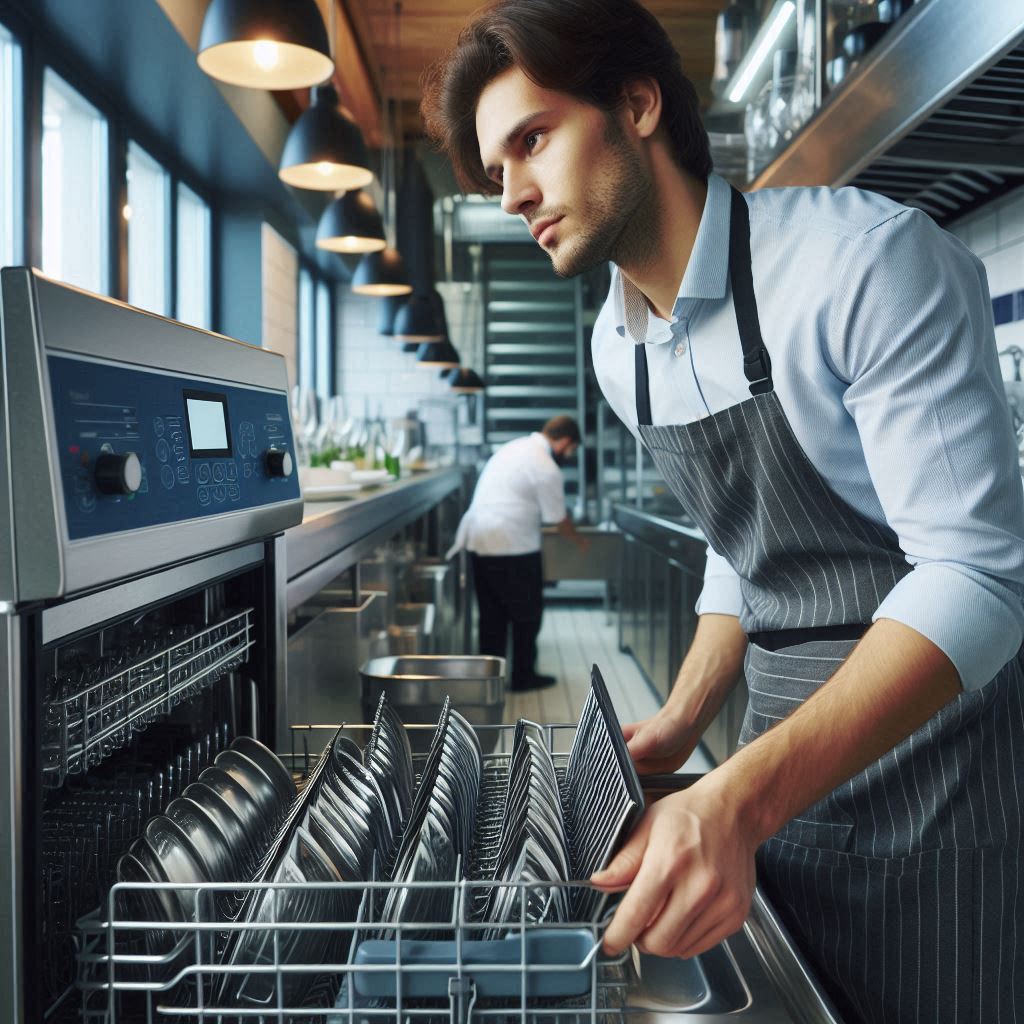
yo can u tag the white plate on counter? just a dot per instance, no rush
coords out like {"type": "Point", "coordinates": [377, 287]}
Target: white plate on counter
{"type": "Point", "coordinates": [369, 476]}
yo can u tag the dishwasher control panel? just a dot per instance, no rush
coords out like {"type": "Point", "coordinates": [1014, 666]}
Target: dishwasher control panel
{"type": "Point", "coordinates": [138, 448]}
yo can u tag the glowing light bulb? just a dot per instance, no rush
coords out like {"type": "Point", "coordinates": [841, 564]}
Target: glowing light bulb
{"type": "Point", "coordinates": [126, 212]}
{"type": "Point", "coordinates": [266, 54]}
{"type": "Point", "coordinates": [324, 167]}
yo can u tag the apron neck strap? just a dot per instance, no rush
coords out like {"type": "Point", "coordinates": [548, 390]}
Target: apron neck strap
{"type": "Point", "coordinates": [757, 366]}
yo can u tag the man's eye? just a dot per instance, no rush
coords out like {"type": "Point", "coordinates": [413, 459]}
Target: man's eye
{"type": "Point", "coordinates": [532, 139]}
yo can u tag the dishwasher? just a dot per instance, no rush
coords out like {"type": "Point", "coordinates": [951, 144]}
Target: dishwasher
{"type": "Point", "coordinates": [146, 481]}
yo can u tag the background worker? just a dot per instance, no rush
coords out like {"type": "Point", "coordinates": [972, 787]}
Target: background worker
{"type": "Point", "coordinates": [519, 489]}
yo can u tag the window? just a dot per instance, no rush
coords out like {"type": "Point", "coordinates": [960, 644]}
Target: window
{"type": "Point", "coordinates": [307, 338]}
{"type": "Point", "coordinates": [75, 192]}
{"type": "Point", "coordinates": [193, 259]}
{"type": "Point", "coordinates": [148, 237]}
{"type": "Point", "coordinates": [10, 150]}
{"type": "Point", "coordinates": [324, 361]}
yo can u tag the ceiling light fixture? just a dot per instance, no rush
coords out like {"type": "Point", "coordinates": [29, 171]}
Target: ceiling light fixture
{"type": "Point", "coordinates": [465, 381]}
{"type": "Point", "coordinates": [763, 44]}
{"type": "Point", "coordinates": [325, 150]}
{"type": "Point", "coordinates": [418, 321]}
{"type": "Point", "coordinates": [381, 274]}
{"type": "Point", "coordinates": [265, 44]}
{"type": "Point", "coordinates": [438, 354]}
{"type": "Point", "coordinates": [351, 224]}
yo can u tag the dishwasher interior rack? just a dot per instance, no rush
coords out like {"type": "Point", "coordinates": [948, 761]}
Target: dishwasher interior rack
{"type": "Point", "coordinates": [96, 709]}
{"type": "Point", "coordinates": [447, 969]}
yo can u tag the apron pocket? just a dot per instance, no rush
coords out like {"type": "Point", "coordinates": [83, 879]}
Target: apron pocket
{"type": "Point", "coordinates": [898, 939]}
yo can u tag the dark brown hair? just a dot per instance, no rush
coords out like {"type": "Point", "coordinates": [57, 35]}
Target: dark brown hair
{"type": "Point", "coordinates": [562, 426]}
{"type": "Point", "coordinates": [589, 49]}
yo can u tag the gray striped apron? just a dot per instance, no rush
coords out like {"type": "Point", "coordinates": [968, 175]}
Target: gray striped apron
{"type": "Point", "coordinates": [903, 886]}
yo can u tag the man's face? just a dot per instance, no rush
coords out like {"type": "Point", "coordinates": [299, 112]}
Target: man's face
{"type": "Point", "coordinates": [568, 169]}
{"type": "Point", "coordinates": [564, 452]}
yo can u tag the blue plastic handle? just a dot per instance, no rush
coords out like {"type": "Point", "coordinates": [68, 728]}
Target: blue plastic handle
{"type": "Point", "coordinates": [571, 949]}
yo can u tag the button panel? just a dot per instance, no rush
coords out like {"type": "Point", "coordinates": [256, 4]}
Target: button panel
{"type": "Point", "coordinates": [109, 408]}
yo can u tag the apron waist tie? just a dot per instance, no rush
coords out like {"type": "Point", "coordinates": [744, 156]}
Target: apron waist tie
{"type": "Point", "coordinates": [776, 639]}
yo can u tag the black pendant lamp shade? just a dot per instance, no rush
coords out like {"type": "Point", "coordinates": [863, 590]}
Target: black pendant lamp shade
{"type": "Point", "coordinates": [351, 224]}
{"type": "Point", "coordinates": [464, 381]}
{"type": "Point", "coordinates": [265, 44]}
{"type": "Point", "coordinates": [387, 310]}
{"type": "Point", "coordinates": [438, 354]}
{"type": "Point", "coordinates": [418, 321]}
{"type": "Point", "coordinates": [381, 274]}
{"type": "Point", "coordinates": [325, 150]}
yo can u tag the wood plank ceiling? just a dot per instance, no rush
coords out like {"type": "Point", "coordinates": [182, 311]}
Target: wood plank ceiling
{"type": "Point", "coordinates": [397, 47]}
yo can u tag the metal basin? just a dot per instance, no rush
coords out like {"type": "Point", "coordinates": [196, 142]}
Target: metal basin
{"type": "Point", "coordinates": [417, 686]}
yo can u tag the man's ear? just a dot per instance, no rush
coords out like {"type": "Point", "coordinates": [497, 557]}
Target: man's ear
{"type": "Point", "coordinates": [642, 99]}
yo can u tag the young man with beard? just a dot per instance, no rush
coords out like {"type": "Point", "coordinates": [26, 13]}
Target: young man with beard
{"type": "Point", "coordinates": [815, 374]}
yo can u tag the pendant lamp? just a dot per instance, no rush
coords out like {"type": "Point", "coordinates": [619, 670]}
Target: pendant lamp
{"type": "Point", "coordinates": [265, 44]}
{"type": "Point", "coordinates": [464, 381]}
{"type": "Point", "coordinates": [438, 354]}
{"type": "Point", "coordinates": [325, 150]}
{"type": "Point", "coordinates": [417, 320]}
{"type": "Point", "coordinates": [382, 274]}
{"type": "Point", "coordinates": [351, 224]}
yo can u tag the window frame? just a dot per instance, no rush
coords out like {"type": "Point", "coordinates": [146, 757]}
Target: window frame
{"type": "Point", "coordinates": [108, 175]}
{"type": "Point", "coordinates": [169, 215]}
{"type": "Point", "coordinates": [177, 184]}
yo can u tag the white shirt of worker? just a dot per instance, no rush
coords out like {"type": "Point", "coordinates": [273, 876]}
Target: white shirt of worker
{"type": "Point", "coordinates": [519, 489]}
{"type": "Point", "coordinates": [884, 361]}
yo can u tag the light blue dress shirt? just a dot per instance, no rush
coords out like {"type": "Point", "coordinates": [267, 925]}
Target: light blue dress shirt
{"type": "Point", "coordinates": [879, 327]}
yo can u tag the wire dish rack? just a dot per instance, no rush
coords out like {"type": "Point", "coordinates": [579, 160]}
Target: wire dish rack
{"type": "Point", "coordinates": [357, 968]}
{"type": "Point", "coordinates": [90, 714]}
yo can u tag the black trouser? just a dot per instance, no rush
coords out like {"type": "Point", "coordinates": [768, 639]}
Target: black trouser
{"type": "Point", "coordinates": [510, 589]}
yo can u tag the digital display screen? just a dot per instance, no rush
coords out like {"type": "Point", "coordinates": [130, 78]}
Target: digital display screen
{"type": "Point", "coordinates": [208, 430]}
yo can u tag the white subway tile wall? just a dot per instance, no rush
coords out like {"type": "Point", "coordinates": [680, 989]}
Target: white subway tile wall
{"type": "Point", "coordinates": [995, 233]}
{"type": "Point", "coordinates": [280, 274]}
{"type": "Point", "coordinates": [373, 373]}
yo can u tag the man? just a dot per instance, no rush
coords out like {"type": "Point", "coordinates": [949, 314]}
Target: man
{"type": "Point", "coordinates": [519, 489]}
{"type": "Point", "coordinates": [815, 374]}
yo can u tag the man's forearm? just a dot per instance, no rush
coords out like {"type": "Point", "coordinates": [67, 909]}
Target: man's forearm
{"type": "Point", "coordinates": [710, 669]}
{"type": "Point", "coordinates": [892, 683]}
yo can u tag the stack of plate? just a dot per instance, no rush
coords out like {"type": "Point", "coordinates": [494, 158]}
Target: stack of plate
{"type": "Point", "coordinates": [532, 847]}
{"type": "Point", "coordinates": [440, 829]}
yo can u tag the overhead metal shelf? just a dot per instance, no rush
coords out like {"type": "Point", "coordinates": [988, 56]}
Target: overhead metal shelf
{"type": "Point", "coordinates": [933, 117]}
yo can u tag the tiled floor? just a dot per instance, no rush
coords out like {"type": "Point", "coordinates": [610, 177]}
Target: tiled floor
{"type": "Point", "coordinates": [573, 638]}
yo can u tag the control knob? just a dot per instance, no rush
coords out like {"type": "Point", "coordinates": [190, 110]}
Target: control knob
{"type": "Point", "coordinates": [278, 462]}
{"type": "Point", "coordinates": [118, 474]}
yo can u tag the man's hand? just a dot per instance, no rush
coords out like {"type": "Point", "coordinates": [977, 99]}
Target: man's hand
{"type": "Point", "coordinates": [689, 869]}
{"type": "Point", "coordinates": [663, 742]}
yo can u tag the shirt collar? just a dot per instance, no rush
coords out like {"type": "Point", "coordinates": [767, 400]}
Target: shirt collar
{"type": "Point", "coordinates": [706, 277]}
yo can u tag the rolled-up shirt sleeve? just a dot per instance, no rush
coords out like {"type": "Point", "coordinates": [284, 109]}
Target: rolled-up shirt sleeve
{"type": "Point", "coordinates": [911, 333]}
{"type": "Point", "coordinates": [721, 594]}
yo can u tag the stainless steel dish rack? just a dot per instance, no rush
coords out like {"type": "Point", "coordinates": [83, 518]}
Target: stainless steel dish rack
{"type": "Point", "coordinates": [90, 714]}
{"type": "Point", "coordinates": [425, 970]}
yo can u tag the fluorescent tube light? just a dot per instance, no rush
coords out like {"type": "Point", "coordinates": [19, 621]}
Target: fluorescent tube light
{"type": "Point", "coordinates": [763, 45]}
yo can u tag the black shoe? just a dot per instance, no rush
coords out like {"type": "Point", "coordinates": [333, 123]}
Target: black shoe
{"type": "Point", "coordinates": [534, 682]}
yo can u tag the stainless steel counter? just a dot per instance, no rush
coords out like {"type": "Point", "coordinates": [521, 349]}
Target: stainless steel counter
{"type": "Point", "coordinates": [334, 535]}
